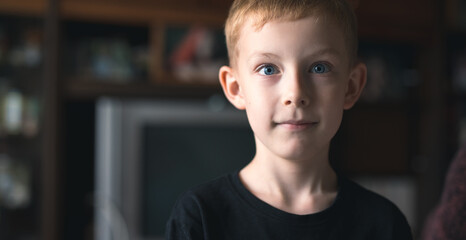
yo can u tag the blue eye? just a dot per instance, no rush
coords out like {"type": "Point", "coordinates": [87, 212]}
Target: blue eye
{"type": "Point", "coordinates": [320, 68]}
{"type": "Point", "coordinates": [267, 70]}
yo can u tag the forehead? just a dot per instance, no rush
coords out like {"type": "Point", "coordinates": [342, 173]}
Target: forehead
{"type": "Point", "coordinates": [292, 38]}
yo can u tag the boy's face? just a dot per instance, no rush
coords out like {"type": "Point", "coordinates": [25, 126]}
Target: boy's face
{"type": "Point", "coordinates": [293, 79]}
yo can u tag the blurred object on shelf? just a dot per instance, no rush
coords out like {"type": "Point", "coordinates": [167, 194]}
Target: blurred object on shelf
{"type": "Point", "coordinates": [15, 186]}
{"type": "Point", "coordinates": [13, 111]}
{"type": "Point", "coordinates": [107, 53]}
{"type": "Point", "coordinates": [21, 151]}
{"type": "Point", "coordinates": [140, 60]}
{"type": "Point", "coordinates": [112, 60]}
{"type": "Point", "coordinates": [33, 43]}
{"type": "Point", "coordinates": [21, 49]}
{"type": "Point", "coordinates": [390, 72]}
{"type": "Point", "coordinates": [194, 54]}
{"type": "Point", "coordinates": [31, 116]}
{"type": "Point", "coordinates": [19, 113]}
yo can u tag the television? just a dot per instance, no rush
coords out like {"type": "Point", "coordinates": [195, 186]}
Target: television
{"type": "Point", "coordinates": [148, 152]}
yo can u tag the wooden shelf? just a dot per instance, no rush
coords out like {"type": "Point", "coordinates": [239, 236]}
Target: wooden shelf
{"type": "Point", "coordinates": [394, 20]}
{"type": "Point", "coordinates": [23, 7]}
{"type": "Point", "coordinates": [137, 12]}
{"type": "Point", "coordinates": [382, 138]}
{"type": "Point", "coordinates": [88, 89]}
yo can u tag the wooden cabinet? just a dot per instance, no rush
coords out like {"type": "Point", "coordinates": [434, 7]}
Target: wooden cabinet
{"type": "Point", "coordinates": [396, 20]}
{"type": "Point", "coordinates": [21, 131]}
{"type": "Point", "coordinates": [149, 34]}
{"type": "Point", "coordinates": [141, 48]}
{"type": "Point", "coordinates": [144, 11]}
{"type": "Point", "coordinates": [23, 8]}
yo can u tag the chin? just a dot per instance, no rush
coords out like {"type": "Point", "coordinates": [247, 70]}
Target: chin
{"type": "Point", "coordinates": [303, 153]}
{"type": "Point", "coordinates": [297, 155]}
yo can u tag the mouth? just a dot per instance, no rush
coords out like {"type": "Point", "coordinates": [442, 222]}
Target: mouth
{"type": "Point", "coordinates": [297, 125]}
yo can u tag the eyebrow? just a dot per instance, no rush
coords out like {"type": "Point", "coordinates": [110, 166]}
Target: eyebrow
{"type": "Point", "coordinates": [329, 51]}
{"type": "Point", "coordinates": [322, 51]}
{"type": "Point", "coordinates": [266, 55]}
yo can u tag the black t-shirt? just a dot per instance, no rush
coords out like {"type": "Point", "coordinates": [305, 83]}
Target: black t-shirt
{"type": "Point", "coordinates": [225, 209]}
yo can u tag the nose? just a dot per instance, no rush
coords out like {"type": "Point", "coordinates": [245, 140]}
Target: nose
{"type": "Point", "coordinates": [296, 92]}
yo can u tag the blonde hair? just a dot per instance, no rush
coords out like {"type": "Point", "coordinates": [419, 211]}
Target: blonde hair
{"type": "Point", "coordinates": [263, 11]}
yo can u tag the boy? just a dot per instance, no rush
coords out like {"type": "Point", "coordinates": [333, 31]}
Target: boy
{"type": "Point", "coordinates": [293, 68]}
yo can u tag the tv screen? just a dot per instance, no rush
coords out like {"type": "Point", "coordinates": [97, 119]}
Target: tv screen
{"type": "Point", "coordinates": [148, 152]}
{"type": "Point", "coordinates": [177, 157]}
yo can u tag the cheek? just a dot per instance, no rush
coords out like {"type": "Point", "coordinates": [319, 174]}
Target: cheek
{"type": "Point", "coordinates": [257, 96]}
{"type": "Point", "coordinates": [259, 111]}
{"type": "Point", "coordinates": [330, 106]}
{"type": "Point", "coordinates": [255, 120]}
{"type": "Point", "coordinates": [256, 108]}
{"type": "Point", "coordinates": [330, 98]}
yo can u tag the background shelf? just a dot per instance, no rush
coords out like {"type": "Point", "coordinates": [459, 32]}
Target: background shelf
{"type": "Point", "coordinates": [408, 124]}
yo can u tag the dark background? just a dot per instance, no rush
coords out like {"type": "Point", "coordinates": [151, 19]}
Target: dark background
{"type": "Point", "coordinates": [409, 122]}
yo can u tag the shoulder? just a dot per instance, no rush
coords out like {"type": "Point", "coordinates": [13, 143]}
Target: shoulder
{"type": "Point", "coordinates": [196, 205]}
{"type": "Point", "coordinates": [205, 193]}
{"type": "Point", "coordinates": [208, 191]}
{"type": "Point", "coordinates": [358, 196]}
{"type": "Point", "coordinates": [374, 210]}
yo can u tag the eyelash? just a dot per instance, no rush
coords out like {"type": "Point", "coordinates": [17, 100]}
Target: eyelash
{"type": "Point", "coordinates": [261, 68]}
{"type": "Point", "coordinates": [327, 66]}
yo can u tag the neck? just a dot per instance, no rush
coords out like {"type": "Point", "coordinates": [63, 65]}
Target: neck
{"type": "Point", "coordinates": [297, 186]}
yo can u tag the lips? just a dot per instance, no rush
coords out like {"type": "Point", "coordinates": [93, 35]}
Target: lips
{"type": "Point", "coordinates": [297, 124]}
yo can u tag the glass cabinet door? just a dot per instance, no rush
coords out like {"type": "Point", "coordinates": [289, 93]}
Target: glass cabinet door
{"type": "Point", "coordinates": [21, 60]}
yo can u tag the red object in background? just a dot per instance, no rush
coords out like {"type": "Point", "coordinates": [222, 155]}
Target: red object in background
{"type": "Point", "coordinates": [186, 50]}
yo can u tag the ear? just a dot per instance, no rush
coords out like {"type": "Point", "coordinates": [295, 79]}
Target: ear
{"type": "Point", "coordinates": [231, 87]}
{"type": "Point", "coordinates": [356, 83]}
